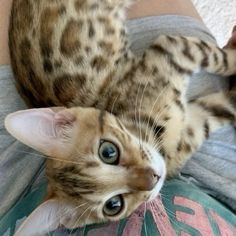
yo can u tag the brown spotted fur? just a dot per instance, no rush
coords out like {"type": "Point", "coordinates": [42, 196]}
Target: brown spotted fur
{"type": "Point", "coordinates": [74, 53]}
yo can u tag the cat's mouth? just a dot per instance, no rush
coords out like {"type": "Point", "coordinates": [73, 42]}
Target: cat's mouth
{"type": "Point", "coordinates": [158, 166]}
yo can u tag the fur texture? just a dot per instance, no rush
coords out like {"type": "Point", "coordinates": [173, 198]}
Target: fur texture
{"type": "Point", "coordinates": [75, 54]}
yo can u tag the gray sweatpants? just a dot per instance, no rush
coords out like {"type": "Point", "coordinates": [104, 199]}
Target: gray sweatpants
{"type": "Point", "coordinates": [213, 167]}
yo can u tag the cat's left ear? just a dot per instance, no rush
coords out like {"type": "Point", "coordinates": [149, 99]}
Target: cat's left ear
{"type": "Point", "coordinates": [43, 129]}
{"type": "Point", "coordinates": [47, 217]}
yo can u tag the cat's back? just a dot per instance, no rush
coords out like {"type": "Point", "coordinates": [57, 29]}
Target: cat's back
{"type": "Point", "coordinates": [62, 49]}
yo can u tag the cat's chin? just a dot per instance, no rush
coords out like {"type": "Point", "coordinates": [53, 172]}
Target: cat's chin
{"type": "Point", "coordinates": [158, 165]}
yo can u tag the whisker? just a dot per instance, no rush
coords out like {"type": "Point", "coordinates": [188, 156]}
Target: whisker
{"type": "Point", "coordinates": [67, 212]}
{"type": "Point", "coordinates": [92, 209]}
{"type": "Point", "coordinates": [139, 110]}
{"type": "Point", "coordinates": [165, 209]}
{"type": "Point", "coordinates": [71, 212]}
{"type": "Point", "coordinates": [173, 217]}
{"type": "Point", "coordinates": [79, 152]}
{"type": "Point", "coordinates": [47, 157]}
{"type": "Point", "coordinates": [157, 142]}
{"type": "Point", "coordinates": [144, 216]}
{"type": "Point", "coordinates": [154, 104]}
{"type": "Point", "coordinates": [82, 215]}
{"type": "Point", "coordinates": [162, 226]}
{"type": "Point", "coordinates": [113, 105]}
{"type": "Point", "coordinates": [155, 121]}
{"type": "Point", "coordinates": [135, 112]}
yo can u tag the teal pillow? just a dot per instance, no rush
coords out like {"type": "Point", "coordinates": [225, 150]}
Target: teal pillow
{"type": "Point", "coordinates": [182, 210]}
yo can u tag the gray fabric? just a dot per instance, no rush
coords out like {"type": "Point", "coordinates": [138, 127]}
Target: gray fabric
{"type": "Point", "coordinates": [212, 167]}
{"type": "Point", "coordinates": [18, 163]}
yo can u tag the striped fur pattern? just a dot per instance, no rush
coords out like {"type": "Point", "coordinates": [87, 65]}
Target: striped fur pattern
{"type": "Point", "coordinates": [74, 53]}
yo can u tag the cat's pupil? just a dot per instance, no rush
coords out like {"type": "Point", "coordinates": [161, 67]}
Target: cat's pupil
{"type": "Point", "coordinates": [113, 206]}
{"type": "Point", "coordinates": [109, 152]}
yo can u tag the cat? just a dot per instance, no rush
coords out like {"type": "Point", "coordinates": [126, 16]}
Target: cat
{"type": "Point", "coordinates": [113, 125]}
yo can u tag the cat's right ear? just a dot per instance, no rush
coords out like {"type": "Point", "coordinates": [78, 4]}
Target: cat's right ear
{"type": "Point", "coordinates": [47, 217]}
{"type": "Point", "coordinates": [43, 129]}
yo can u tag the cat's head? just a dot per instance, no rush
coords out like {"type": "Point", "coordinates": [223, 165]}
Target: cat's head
{"type": "Point", "coordinates": [97, 169]}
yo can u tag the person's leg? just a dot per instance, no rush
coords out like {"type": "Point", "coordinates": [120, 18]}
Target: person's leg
{"type": "Point", "coordinates": [163, 7]}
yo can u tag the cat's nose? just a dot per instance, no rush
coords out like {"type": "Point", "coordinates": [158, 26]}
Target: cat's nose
{"type": "Point", "coordinates": [143, 179]}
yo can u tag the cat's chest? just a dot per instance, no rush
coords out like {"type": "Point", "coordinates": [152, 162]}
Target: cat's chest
{"type": "Point", "coordinates": [159, 102]}
{"type": "Point", "coordinates": [156, 112]}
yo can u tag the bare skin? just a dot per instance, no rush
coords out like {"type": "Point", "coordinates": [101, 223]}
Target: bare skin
{"type": "Point", "coordinates": [163, 7]}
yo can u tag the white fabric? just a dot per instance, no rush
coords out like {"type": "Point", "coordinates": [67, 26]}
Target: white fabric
{"type": "Point", "coordinates": [219, 16]}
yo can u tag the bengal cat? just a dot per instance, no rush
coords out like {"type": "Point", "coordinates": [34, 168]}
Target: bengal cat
{"type": "Point", "coordinates": [120, 123]}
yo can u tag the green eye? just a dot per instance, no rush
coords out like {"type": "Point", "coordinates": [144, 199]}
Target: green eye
{"type": "Point", "coordinates": [108, 153]}
{"type": "Point", "coordinates": [113, 206]}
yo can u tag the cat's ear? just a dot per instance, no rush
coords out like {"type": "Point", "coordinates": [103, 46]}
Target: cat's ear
{"type": "Point", "coordinates": [47, 217]}
{"type": "Point", "coordinates": [43, 129]}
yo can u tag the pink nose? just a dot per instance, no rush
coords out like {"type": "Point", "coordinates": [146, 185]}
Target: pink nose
{"type": "Point", "coordinates": [143, 179]}
{"type": "Point", "coordinates": [154, 177]}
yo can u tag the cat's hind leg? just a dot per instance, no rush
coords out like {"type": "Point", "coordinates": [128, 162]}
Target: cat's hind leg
{"type": "Point", "coordinates": [202, 117]}
{"type": "Point", "coordinates": [171, 60]}
{"type": "Point", "coordinates": [187, 55]}
{"type": "Point", "coordinates": [216, 109]}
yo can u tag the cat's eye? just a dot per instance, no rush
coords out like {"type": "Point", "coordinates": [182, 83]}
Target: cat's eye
{"type": "Point", "coordinates": [108, 152]}
{"type": "Point", "coordinates": [113, 206]}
